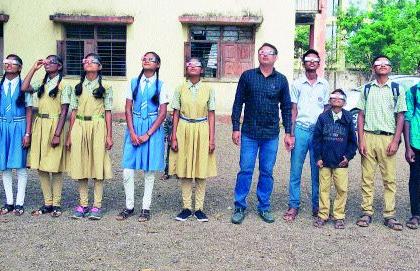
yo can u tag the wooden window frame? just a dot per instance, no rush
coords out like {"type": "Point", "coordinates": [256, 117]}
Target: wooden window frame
{"type": "Point", "coordinates": [90, 46]}
{"type": "Point", "coordinates": [220, 73]}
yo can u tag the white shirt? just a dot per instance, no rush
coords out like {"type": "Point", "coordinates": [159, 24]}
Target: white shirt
{"type": "Point", "coordinates": [310, 99]}
{"type": "Point", "coordinates": [164, 96]}
{"type": "Point", "coordinates": [14, 83]}
{"type": "Point", "coordinates": [337, 116]}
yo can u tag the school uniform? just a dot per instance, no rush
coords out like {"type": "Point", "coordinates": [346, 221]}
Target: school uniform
{"type": "Point", "coordinates": [379, 128]}
{"type": "Point", "coordinates": [42, 156]}
{"type": "Point", "coordinates": [334, 137]}
{"type": "Point", "coordinates": [193, 160]}
{"type": "Point", "coordinates": [148, 156]}
{"type": "Point", "coordinates": [12, 132]}
{"type": "Point", "coordinates": [88, 157]}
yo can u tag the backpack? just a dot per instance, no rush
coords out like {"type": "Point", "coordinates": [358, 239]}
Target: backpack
{"type": "Point", "coordinates": [395, 87]}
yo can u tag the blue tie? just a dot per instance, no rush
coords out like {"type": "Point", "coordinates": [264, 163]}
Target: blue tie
{"type": "Point", "coordinates": [143, 110]}
{"type": "Point", "coordinates": [9, 103]}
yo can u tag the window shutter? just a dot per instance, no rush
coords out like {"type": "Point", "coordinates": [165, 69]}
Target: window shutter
{"type": "Point", "coordinates": [89, 47]}
{"type": "Point", "coordinates": [236, 58]}
{"type": "Point", "coordinates": [61, 52]}
{"type": "Point", "coordinates": [187, 55]}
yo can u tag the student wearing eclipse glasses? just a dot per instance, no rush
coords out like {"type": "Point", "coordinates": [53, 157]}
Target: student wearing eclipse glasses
{"type": "Point", "coordinates": [310, 96]}
{"type": "Point", "coordinates": [379, 125]}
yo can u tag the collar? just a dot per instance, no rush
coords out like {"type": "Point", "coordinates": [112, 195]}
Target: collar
{"type": "Point", "coordinates": [345, 117]}
{"type": "Point", "coordinates": [151, 79]}
{"type": "Point", "coordinates": [93, 82]}
{"type": "Point", "coordinates": [53, 80]}
{"type": "Point", "coordinates": [388, 83]}
{"type": "Point", "coordinates": [14, 81]}
{"type": "Point", "coordinates": [272, 74]}
{"type": "Point", "coordinates": [319, 80]}
{"type": "Point", "coordinates": [190, 85]}
{"type": "Point", "coordinates": [339, 114]}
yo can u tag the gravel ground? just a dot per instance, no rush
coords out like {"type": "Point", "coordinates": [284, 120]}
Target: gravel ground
{"type": "Point", "coordinates": [44, 243]}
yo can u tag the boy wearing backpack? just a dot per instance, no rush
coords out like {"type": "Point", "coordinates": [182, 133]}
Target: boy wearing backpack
{"type": "Point", "coordinates": [380, 123]}
{"type": "Point", "coordinates": [412, 152]}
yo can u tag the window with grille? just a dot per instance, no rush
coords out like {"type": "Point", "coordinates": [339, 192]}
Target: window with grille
{"type": "Point", "coordinates": [109, 41]}
{"type": "Point", "coordinates": [226, 51]}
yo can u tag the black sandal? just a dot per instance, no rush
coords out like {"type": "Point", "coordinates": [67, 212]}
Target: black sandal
{"type": "Point", "coordinates": [144, 215]}
{"type": "Point", "coordinates": [125, 213]}
{"type": "Point", "coordinates": [393, 224]}
{"type": "Point", "coordinates": [339, 224]}
{"type": "Point", "coordinates": [45, 209]}
{"type": "Point", "coordinates": [19, 210]}
{"type": "Point", "coordinates": [7, 208]}
{"type": "Point", "coordinates": [364, 221]}
{"type": "Point", "coordinates": [56, 211]}
{"type": "Point", "coordinates": [319, 222]}
{"type": "Point", "coordinates": [413, 222]}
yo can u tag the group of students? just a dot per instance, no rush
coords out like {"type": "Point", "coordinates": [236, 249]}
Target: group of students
{"type": "Point", "coordinates": [83, 151]}
{"type": "Point", "coordinates": [314, 120]}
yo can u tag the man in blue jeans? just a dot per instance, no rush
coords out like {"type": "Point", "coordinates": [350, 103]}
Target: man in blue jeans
{"type": "Point", "coordinates": [310, 97]}
{"type": "Point", "coordinates": [261, 90]}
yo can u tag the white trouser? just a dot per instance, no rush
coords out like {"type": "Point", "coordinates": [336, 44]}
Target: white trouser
{"type": "Point", "coordinates": [149, 180]}
{"type": "Point", "coordinates": [22, 177]}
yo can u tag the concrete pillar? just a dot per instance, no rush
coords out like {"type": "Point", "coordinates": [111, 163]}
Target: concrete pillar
{"type": "Point", "coordinates": [317, 34]}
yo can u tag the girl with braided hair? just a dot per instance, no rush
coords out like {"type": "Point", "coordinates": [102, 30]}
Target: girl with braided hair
{"type": "Point", "coordinates": [47, 153]}
{"type": "Point", "coordinates": [15, 133]}
{"type": "Point", "coordinates": [144, 148]}
{"type": "Point", "coordinates": [90, 136]}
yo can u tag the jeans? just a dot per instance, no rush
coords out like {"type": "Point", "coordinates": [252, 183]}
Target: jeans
{"type": "Point", "coordinates": [414, 184]}
{"type": "Point", "coordinates": [303, 143]}
{"type": "Point", "coordinates": [267, 149]}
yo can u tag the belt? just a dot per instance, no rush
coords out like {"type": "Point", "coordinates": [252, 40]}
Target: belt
{"type": "Point", "coordinates": [48, 116]}
{"type": "Point", "coordinates": [15, 119]}
{"type": "Point", "coordinates": [305, 126]}
{"type": "Point", "coordinates": [88, 118]}
{"type": "Point", "coordinates": [138, 114]}
{"type": "Point", "coordinates": [380, 133]}
{"type": "Point", "coordinates": [193, 120]}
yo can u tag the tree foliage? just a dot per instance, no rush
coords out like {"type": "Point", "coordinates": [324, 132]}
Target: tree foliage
{"type": "Point", "coordinates": [391, 28]}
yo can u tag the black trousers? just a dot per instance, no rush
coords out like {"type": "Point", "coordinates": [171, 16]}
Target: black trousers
{"type": "Point", "coordinates": [414, 184]}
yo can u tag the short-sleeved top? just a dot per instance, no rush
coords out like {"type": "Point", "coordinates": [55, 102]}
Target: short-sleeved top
{"type": "Point", "coordinates": [195, 88]}
{"type": "Point", "coordinates": [413, 116]}
{"type": "Point", "coordinates": [164, 95]}
{"type": "Point", "coordinates": [90, 86]}
{"type": "Point", "coordinates": [310, 99]}
{"type": "Point", "coordinates": [13, 84]}
{"type": "Point", "coordinates": [379, 108]}
{"type": "Point", "coordinates": [51, 84]}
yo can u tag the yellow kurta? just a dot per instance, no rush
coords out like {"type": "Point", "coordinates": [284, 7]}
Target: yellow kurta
{"type": "Point", "coordinates": [42, 155]}
{"type": "Point", "coordinates": [88, 156]}
{"type": "Point", "coordinates": [193, 159]}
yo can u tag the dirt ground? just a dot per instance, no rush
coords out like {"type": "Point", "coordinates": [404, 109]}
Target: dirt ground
{"type": "Point", "coordinates": [45, 243]}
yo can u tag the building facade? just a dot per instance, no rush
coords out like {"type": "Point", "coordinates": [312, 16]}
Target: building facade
{"type": "Point", "coordinates": [225, 33]}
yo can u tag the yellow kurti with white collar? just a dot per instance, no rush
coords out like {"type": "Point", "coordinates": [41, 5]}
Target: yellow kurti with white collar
{"type": "Point", "coordinates": [42, 155]}
{"type": "Point", "coordinates": [193, 159]}
{"type": "Point", "coordinates": [88, 157]}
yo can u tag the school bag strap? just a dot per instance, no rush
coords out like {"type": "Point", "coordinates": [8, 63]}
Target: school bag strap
{"type": "Point", "coordinates": [395, 88]}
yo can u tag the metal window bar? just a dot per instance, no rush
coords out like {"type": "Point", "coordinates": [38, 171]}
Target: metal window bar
{"type": "Point", "coordinates": [110, 45]}
{"type": "Point", "coordinates": [303, 6]}
{"type": "Point", "coordinates": [208, 52]}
